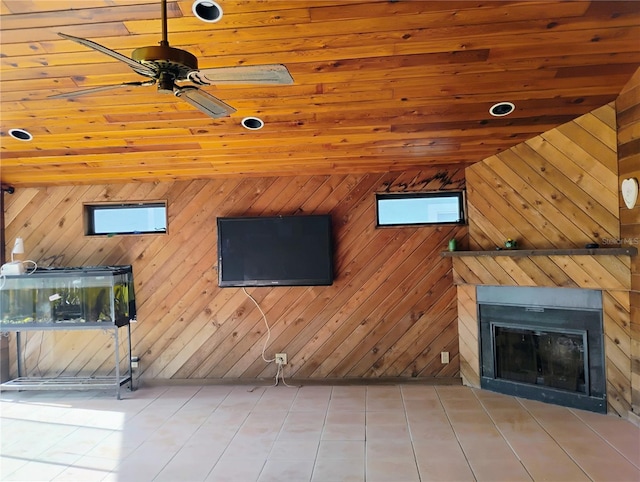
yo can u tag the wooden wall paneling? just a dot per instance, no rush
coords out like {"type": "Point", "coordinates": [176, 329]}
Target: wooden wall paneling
{"type": "Point", "coordinates": [525, 271]}
{"type": "Point", "coordinates": [524, 222]}
{"type": "Point", "coordinates": [559, 227]}
{"type": "Point", "coordinates": [514, 274]}
{"type": "Point", "coordinates": [618, 348]}
{"type": "Point", "coordinates": [579, 203]}
{"type": "Point", "coordinates": [628, 142]}
{"type": "Point", "coordinates": [324, 332]}
{"type": "Point", "coordinates": [236, 360]}
{"type": "Point", "coordinates": [569, 177]}
{"type": "Point", "coordinates": [555, 275]}
{"type": "Point", "coordinates": [591, 177]}
{"type": "Point", "coordinates": [273, 330]}
{"type": "Point", "coordinates": [410, 293]}
{"type": "Point", "coordinates": [190, 328]}
{"type": "Point", "coordinates": [356, 240]}
{"type": "Point", "coordinates": [202, 234]}
{"type": "Point", "coordinates": [463, 274]}
{"type": "Point", "coordinates": [540, 183]}
{"type": "Point", "coordinates": [437, 324]}
{"type": "Point", "coordinates": [469, 337]}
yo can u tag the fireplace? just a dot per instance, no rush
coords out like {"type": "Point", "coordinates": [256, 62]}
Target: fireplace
{"type": "Point", "coordinates": [544, 344]}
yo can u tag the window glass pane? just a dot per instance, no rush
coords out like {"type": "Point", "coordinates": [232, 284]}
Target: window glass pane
{"type": "Point", "coordinates": [127, 219]}
{"type": "Point", "coordinates": [422, 208]}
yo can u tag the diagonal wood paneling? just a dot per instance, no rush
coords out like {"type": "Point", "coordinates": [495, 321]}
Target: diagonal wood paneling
{"type": "Point", "coordinates": [556, 190]}
{"type": "Point", "coordinates": [390, 312]}
{"type": "Point", "coordinates": [628, 119]}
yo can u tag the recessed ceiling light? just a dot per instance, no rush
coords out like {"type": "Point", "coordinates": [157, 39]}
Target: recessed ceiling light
{"type": "Point", "coordinates": [501, 109]}
{"type": "Point", "coordinates": [20, 134]}
{"type": "Point", "coordinates": [252, 123]}
{"type": "Point", "coordinates": [207, 11]}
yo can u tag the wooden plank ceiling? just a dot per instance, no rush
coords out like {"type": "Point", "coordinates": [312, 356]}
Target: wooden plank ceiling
{"type": "Point", "coordinates": [378, 85]}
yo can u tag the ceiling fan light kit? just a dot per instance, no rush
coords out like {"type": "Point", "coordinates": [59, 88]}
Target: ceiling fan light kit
{"type": "Point", "coordinates": [207, 11]}
{"type": "Point", "coordinates": [169, 67]}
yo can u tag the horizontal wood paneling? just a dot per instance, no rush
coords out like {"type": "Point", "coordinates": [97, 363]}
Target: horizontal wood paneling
{"type": "Point", "coordinates": [379, 85]}
{"type": "Point", "coordinates": [628, 119]}
{"type": "Point", "coordinates": [390, 312]}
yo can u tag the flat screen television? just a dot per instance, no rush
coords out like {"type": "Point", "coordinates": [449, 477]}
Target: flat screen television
{"type": "Point", "coordinates": [275, 251]}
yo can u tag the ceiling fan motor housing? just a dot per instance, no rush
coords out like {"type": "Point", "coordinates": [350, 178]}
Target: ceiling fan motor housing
{"type": "Point", "coordinates": [163, 58]}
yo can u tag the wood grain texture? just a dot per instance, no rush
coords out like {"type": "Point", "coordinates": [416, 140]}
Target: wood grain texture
{"type": "Point", "coordinates": [558, 190]}
{"type": "Point", "coordinates": [469, 337]}
{"type": "Point", "coordinates": [379, 86]}
{"type": "Point", "coordinates": [628, 120]}
{"type": "Point", "coordinates": [389, 313]}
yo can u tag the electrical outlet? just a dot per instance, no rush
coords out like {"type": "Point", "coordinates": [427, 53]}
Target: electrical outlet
{"type": "Point", "coordinates": [444, 357]}
{"type": "Point", "coordinates": [135, 361]}
{"type": "Point", "coordinates": [281, 358]}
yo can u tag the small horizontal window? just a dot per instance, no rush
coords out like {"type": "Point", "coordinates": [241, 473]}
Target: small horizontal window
{"type": "Point", "coordinates": [128, 218]}
{"type": "Point", "coordinates": [420, 208]}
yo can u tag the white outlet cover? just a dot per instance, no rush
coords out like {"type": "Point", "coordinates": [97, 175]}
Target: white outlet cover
{"type": "Point", "coordinates": [629, 190]}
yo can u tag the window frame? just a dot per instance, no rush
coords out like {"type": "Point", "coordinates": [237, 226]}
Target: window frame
{"type": "Point", "coordinates": [459, 194]}
{"type": "Point", "coordinates": [89, 210]}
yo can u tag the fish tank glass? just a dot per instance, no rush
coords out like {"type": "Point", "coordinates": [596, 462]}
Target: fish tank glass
{"type": "Point", "coordinates": [68, 296]}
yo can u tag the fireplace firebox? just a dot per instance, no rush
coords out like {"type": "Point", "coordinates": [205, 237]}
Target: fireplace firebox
{"type": "Point", "coordinates": [544, 344]}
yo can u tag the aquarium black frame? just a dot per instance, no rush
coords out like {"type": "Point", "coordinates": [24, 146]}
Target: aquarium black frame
{"type": "Point", "coordinates": [72, 383]}
{"type": "Point", "coordinates": [115, 381]}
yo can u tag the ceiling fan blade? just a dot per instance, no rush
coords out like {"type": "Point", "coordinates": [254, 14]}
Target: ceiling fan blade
{"type": "Point", "coordinates": [210, 105]}
{"type": "Point", "coordinates": [137, 66]}
{"type": "Point", "coordinates": [78, 93]}
{"type": "Point", "coordinates": [242, 74]}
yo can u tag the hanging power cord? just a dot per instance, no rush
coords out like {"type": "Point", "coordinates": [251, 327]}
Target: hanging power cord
{"type": "Point", "coordinates": [264, 317]}
{"type": "Point", "coordinates": [280, 370]}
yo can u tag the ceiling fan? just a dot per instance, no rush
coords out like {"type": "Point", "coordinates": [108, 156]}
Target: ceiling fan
{"type": "Point", "coordinates": [166, 66]}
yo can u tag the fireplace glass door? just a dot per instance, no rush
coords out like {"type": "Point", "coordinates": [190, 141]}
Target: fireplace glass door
{"type": "Point", "coordinates": [547, 358]}
{"type": "Point", "coordinates": [540, 350]}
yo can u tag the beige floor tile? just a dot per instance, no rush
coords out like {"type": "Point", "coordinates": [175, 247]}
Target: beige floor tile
{"type": "Point", "coordinates": [622, 435]}
{"type": "Point", "coordinates": [236, 469]}
{"type": "Point", "coordinates": [294, 449]}
{"type": "Point", "coordinates": [311, 399]}
{"type": "Point", "coordinates": [303, 425]}
{"type": "Point", "coordinates": [491, 469]}
{"type": "Point", "coordinates": [279, 470]}
{"type": "Point", "coordinates": [391, 469]}
{"type": "Point", "coordinates": [87, 469]}
{"type": "Point", "coordinates": [191, 463]}
{"type": "Point", "coordinates": [342, 449]}
{"type": "Point", "coordinates": [344, 426]}
{"type": "Point", "coordinates": [338, 470]}
{"type": "Point", "coordinates": [381, 448]}
{"type": "Point", "coordinates": [419, 392]}
{"type": "Point", "coordinates": [308, 434]}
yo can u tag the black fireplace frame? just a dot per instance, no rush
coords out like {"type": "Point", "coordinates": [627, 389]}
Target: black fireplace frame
{"type": "Point", "coordinates": [544, 309]}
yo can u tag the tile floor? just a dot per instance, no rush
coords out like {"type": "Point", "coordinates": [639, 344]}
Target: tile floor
{"type": "Point", "coordinates": [312, 433]}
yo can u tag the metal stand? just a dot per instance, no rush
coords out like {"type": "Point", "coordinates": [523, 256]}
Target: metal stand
{"type": "Point", "coordinates": [73, 383]}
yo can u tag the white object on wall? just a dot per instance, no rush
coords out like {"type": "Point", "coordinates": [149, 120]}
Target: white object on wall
{"type": "Point", "coordinates": [629, 190]}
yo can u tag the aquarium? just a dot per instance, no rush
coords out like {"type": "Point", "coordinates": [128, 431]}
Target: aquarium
{"type": "Point", "coordinates": [68, 296]}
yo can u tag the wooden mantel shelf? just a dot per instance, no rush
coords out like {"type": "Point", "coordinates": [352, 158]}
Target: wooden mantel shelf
{"type": "Point", "coordinates": [630, 251]}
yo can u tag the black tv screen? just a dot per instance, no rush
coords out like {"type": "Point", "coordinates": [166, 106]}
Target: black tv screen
{"type": "Point", "coordinates": [275, 251]}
